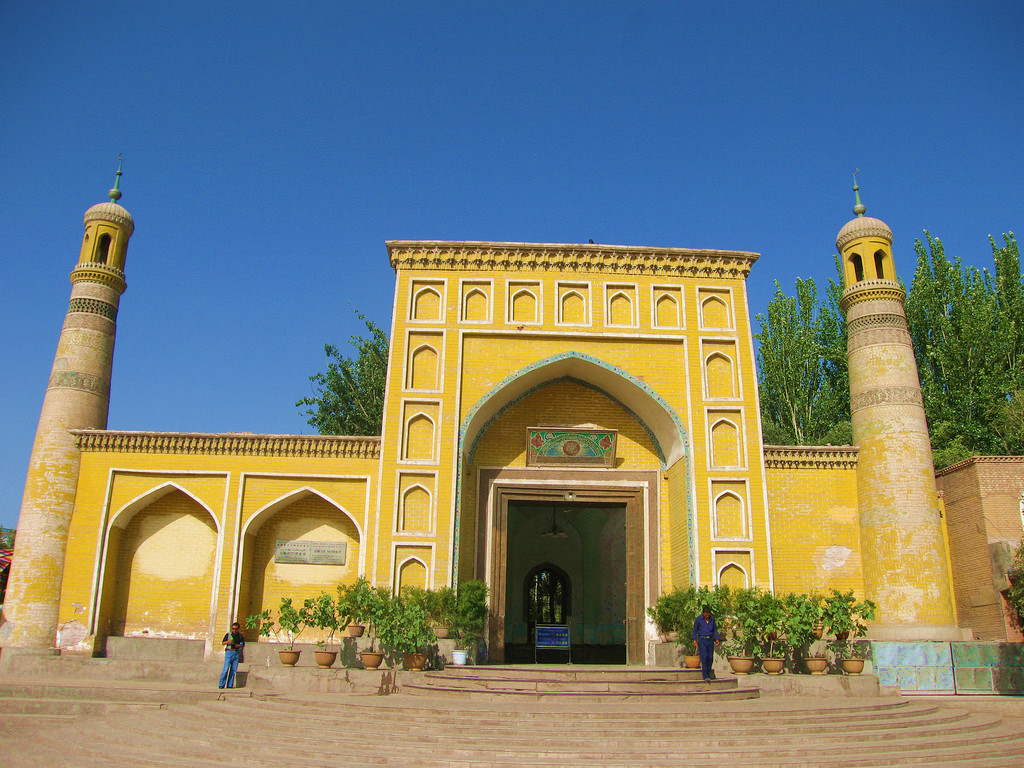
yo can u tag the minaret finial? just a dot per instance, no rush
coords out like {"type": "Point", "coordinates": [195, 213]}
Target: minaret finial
{"type": "Point", "coordinates": [115, 193]}
{"type": "Point", "coordinates": [859, 208]}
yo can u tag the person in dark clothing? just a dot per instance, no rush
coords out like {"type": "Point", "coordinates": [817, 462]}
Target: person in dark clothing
{"type": "Point", "coordinates": [705, 638]}
{"type": "Point", "coordinates": [233, 642]}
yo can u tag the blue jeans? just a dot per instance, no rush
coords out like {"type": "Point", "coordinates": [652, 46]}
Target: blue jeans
{"type": "Point", "coordinates": [706, 650]}
{"type": "Point", "coordinates": [227, 677]}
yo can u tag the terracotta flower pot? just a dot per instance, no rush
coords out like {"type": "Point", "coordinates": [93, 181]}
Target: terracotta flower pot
{"type": "Point", "coordinates": [691, 661]}
{"type": "Point", "coordinates": [741, 665]}
{"type": "Point", "coordinates": [853, 666]}
{"type": "Point", "coordinates": [817, 666]}
{"type": "Point", "coordinates": [371, 659]}
{"type": "Point", "coordinates": [773, 666]}
{"type": "Point", "coordinates": [356, 630]}
{"type": "Point", "coordinates": [441, 633]}
{"type": "Point", "coordinates": [414, 661]}
{"type": "Point", "coordinates": [325, 659]}
{"type": "Point", "coordinates": [288, 658]}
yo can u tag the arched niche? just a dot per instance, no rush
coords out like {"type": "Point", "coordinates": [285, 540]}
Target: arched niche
{"type": "Point", "coordinates": [412, 572]}
{"type": "Point", "coordinates": [573, 308]}
{"type": "Point", "coordinates": [423, 368]}
{"type": "Point", "coordinates": [720, 375]}
{"type": "Point", "coordinates": [474, 306]}
{"type": "Point", "coordinates": [426, 304]}
{"type": "Point", "coordinates": [419, 438]}
{"type": "Point", "coordinates": [524, 307]}
{"type": "Point", "coordinates": [620, 309]}
{"type": "Point", "coordinates": [733, 575]}
{"type": "Point", "coordinates": [726, 448]}
{"type": "Point", "coordinates": [159, 571]}
{"type": "Point", "coordinates": [303, 515]}
{"type": "Point", "coordinates": [714, 313]}
{"type": "Point", "coordinates": [730, 516]}
{"type": "Point", "coordinates": [415, 510]}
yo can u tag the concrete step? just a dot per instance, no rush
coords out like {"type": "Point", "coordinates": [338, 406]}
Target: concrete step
{"type": "Point", "coordinates": [47, 706]}
{"type": "Point", "coordinates": [134, 691]}
{"type": "Point", "coordinates": [234, 747]}
{"type": "Point", "coordinates": [84, 668]}
{"type": "Point", "coordinates": [154, 649]}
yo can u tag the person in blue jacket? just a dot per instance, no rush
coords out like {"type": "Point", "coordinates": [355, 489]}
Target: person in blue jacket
{"type": "Point", "coordinates": [705, 638]}
{"type": "Point", "coordinates": [233, 642]}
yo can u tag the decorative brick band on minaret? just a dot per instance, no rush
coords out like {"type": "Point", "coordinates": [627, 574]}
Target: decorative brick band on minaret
{"type": "Point", "coordinates": [77, 397]}
{"type": "Point", "coordinates": [903, 550]}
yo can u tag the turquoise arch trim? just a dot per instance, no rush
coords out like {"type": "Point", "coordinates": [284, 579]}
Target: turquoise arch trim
{"type": "Point", "coordinates": [464, 459]}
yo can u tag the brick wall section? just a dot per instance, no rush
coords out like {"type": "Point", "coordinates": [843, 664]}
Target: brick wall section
{"type": "Point", "coordinates": [982, 497]}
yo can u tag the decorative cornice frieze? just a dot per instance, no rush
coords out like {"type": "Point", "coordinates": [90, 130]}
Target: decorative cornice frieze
{"type": "Point", "coordinates": [84, 382]}
{"type": "Point", "coordinates": [872, 290]}
{"type": "Point", "coordinates": [980, 460]}
{"type": "Point", "coordinates": [229, 444]}
{"type": "Point", "coordinates": [881, 320]}
{"type": "Point", "coordinates": [886, 396]}
{"type": "Point", "coordinates": [541, 257]}
{"type": "Point", "coordinates": [93, 307]}
{"type": "Point", "coordinates": [92, 272]}
{"type": "Point", "coordinates": [871, 336]}
{"type": "Point", "coordinates": [810, 456]}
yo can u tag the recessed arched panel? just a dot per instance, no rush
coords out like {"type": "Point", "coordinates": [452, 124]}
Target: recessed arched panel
{"type": "Point", "coordinates": [726, 448]}
{"type": "Point", "coordinates": [730, 516]}
{"type": "Point", "coordinates": [303, 515]}
{"type": "Point", "coordinates": [412, 573]}
{"type": "Point", "coordinates": [426, 304]}
{"type": "Point", "coordinates": [419, 438]}
{"type": "Point", "coordinates": [733, 576]}
{"type": "Point", "coordinates": [720, 375]}
{"type": "Point", "coordinates": [414, 514]}
{"type": "Point", "coordinates": [620, 310]}
{"type": "Point", "coordinates": [163, 559]}
{"type": "Point", "coordinates": [714, 313]}
{"type": "Point", "coordinates": [573, 309]}
{"type": "Point", "coordinates": [423, 368]}
{"type": "Point", "coordinates": [524, 307]}
{"type": "Point", "coordinates": [667, 311]}
{"type": "Point", "coordinates": [475, 306]}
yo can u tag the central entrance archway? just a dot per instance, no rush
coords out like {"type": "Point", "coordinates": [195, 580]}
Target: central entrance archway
{"type": "Point", "coordinates": [588, 533]}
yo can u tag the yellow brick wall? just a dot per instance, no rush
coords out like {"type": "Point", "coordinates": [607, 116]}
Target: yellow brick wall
{"type": "Point", "coordinates": [145, 521]}
{"type": "Point", "coordinates": [815, 529]}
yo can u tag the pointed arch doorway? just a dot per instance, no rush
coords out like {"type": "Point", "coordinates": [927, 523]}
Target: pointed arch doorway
{"type": "Point", "coordinates": [583, 550]}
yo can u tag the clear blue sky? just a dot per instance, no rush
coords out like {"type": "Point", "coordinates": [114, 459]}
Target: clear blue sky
{"type": "Point", "coordinates": [272, 148]}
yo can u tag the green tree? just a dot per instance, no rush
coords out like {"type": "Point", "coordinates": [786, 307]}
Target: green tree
{"type": "Point", "coordinates": [967, 327]}
{"type": "Point", "coordinates": [349, 395]}
{"type": "Point", "coordinates": [801, 361]}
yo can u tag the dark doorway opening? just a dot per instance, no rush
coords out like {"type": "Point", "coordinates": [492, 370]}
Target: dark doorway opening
{"type": "Point", "coordinates": [566, 566]}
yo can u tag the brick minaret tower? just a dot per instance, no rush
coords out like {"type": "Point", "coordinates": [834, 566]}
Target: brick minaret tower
{"type": "Point", "coordinates": [903, 549]}
{"type": "Point", "coordinates": [77, 397]}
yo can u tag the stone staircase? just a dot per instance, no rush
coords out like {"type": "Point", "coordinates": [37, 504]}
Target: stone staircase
{"type": "Point", "coordinates": [580, 683]}
{"type": "Point", "coordinates": [161, 708]}
{"type": "Point", "coordinates": [424, 732]}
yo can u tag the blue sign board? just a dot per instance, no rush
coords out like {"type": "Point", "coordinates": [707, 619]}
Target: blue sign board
{"type": "Point", "coordinates": [553, 636]}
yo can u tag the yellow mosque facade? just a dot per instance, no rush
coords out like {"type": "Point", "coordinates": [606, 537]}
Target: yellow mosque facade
{"type": "Point", "coordinates": [589, 412]}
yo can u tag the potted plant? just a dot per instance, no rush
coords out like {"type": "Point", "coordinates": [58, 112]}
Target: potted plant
{"type": "Point", "coordinates": [354, 605]}
{"type": "Point", "coordinates": [816, 662]}
{"type": "Point", "coordinates": [289, 624]}
{"type": "Point", "coordinates": [321, 612]}
{"type": "Point", "coordinates": [770, 613]}
{"type": "Point", "coordinates": [470, 617]}
{"type": "Point", "coordinates": [851, 655]}
{"type": "Point", "coordinates": [440, 607]}
{"type": "Point", "coordinates": [406, 630]}
{"type": "Point", "coordinates": [742, 631]}
{"type": "Point", "coordinates": [845, 616]}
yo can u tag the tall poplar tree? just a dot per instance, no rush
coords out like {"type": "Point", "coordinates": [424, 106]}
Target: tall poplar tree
{"type": "Point", "coordinates": [802, 374]}
{"type": "Point", "coordinates": [967, 327]}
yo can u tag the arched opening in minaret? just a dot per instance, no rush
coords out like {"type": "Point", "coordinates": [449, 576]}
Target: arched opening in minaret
{"type": "Point", "coordinates": [858, 267]}
{"type": "Point", "coordinates": [880, 265]}
{"type": "Point", "coordinates": [103, 249]}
